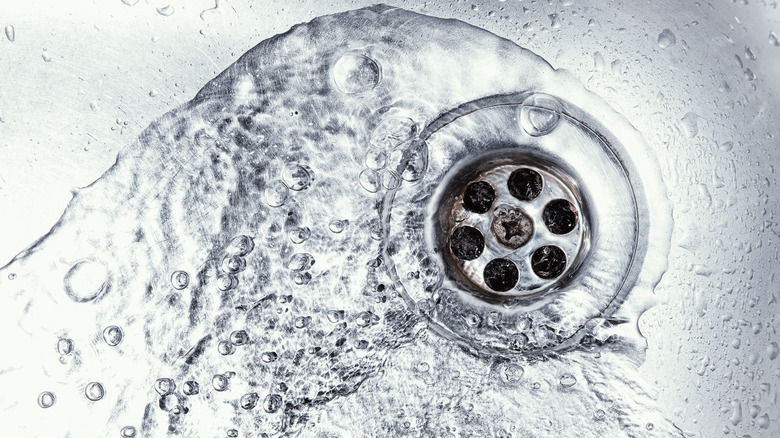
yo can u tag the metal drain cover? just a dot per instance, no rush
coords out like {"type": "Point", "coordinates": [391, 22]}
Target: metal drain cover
{"type": "Point", "coordinates": [522, 229]}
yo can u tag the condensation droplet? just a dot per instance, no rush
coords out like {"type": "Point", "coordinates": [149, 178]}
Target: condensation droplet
{"type": "Point", "coordinates": [46, 57]}
{"type": "Point", "coordinates": [772, 350]}
{"type": "Point", "coordinates": [689, 125]}
{"type": "Point", "coordinates": [276, 194]}
{"type": "Point", "coordinates": [337, 226]}
{"type": "Point", "coordinates": [46, 399]}
{"type": "Point", "coordinates": [166, 11]}
{"type": "Point", "coordinates": [540, 114]}
{"type": "Point", "coordinates": [299, 235]}
{"type": "Point", "coordinates": [370, 180]}
{"type": "Point", "coordinates": [666, 39]}
{"type": "Point", "coordinates": [127, 431]}
{"type": "Point", "coordinates": [773, 40]}
{"type": "Point", "coordinates": [164, 386]}
{"type": "Point", "coordinates": [567, 380]}
{"type": "Point", "coordinates": [355, 73]}
{"type": "Point", "coordinates": [85, 281]}
{"type": "Point", "coordinates": [113, 335]}
{"type": "Point", "coordinates": [64, 346]}
{"type": "Point", "coordinates": [219, 382]}
{"type": "Point", "coordinates": [10, 33]}
{"type": "Point", "coordinates": [180, 280]}
{"type": "Point", "coordinates": [94, 391]}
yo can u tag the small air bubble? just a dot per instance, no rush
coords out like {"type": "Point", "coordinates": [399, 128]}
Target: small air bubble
{"type": "Point", "coordinates": [249, 401]}
{"type": "Point", "coordinates": [191, 388]}
{"type": "Point", "coordinates": [219, 382]}
{"type": "Point", "coordinates": [94, 391]}
{"type": "Point", "coordinates": [127, 431]}
{"type": "Point", "coordinates": [164, 386]}
{"type": "Point", "coordinates": [276, 194]}
{"type": "Point", "coordinates": [180, 280]}
{"type": "Point", "coordinates": [337, 226]}
{"type": "Point", "coordinates": [46, 399]}
{"type": "Point", "coordinates": [225, 348]}
{"type": "Point", "coordinates": [239, 337]}
{"type": "Point", "coordinates": [272, 403]}
{"type": "Point", "coordinates": [113, 335]}
{"type": "Point", "coordinates": [64, 346]}
{"type": "Point", "coordinates": [567, 380]}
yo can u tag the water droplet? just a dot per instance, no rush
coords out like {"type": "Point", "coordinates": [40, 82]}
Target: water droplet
{"type": "Point", "coordinates": [335, 316]}
{"type": "Point", "coordinates": [226, 282]}
{"type": "Point", "coordinates": [354, 73]}
{"type": "Point", "coordinates": [772, 350]}
{"type": "Point", "coordinates": [600, 414]}
{"type": "Point", "coordinates": [239, 337]}
{"type": "Point", "coordinates": [749, 54]}
{"type": "Point", "coordinates": [300, 262]}
{"type": "Point", "coordinates": [649, 426]}
{"type": "Point", "coordinates": [276, 194]}
{"type": "Point", "coordinates": [209, 11]}
{"type": "Point", "coordinates": [113, 335]}
{"type": "Point", "coordinates": [94, 391]}
{"type": "Point", "coordinates": [391, 132]}
{"type": "Point", "coordinates": [153, 93]}
{"type": "Point", "coordinates": [689, 125]}
{"type": "Point", "coordinates": [225, 348]}
{"type": "Point", "coordinates": [366, 318]}
{"type": "Point", "coordinates": [249, 401]}
{"type": "Point", "coordinates": [164, 386]}
{"type": "Point", "coordinates": [232, 433]}
{"type": "Point", "coordinates": [337, 226]}
{"type": "Point", "coordinates": [130, 3]}
{"type": "Point", "coordinates": [180, 280]}
{"type": "Point", "coordinates": [666, 39]}
{"type": "Point", "coordinates": [166, 11]}
{"type": "Point", "coordinates": [773, 40]}
{"type": "Point", "coordinates": [567, 380]}
{"type": "Point", "coordinates": [370, 180]}
{"type": "Point", "coordinates": [46, 57]}
{"type": "Point", "coordinates": [555, 22]}
{"type": "Point", "coordinates": [726, 146]}
{"type": "Point", "coordinates": [64, 346]}
{"type": "Point", "coordinates": [297, 177]}
{"type": "Point", "coordinates": [219, 382]}
{"type": "Point", "coordinates": [302, 278]}
{"type": "Point", "coordinates": [269, 356]}
{"type": "Point", "coordinates": [233, 264]}
{"type": "Point", "coordinates": [10, 33]}
{"type": "Point", "coordinates": [272, 403]}
{"type": "Point", "coordinates": [85, 281]}
{"type": "Point", "coordinates": [598, 62]}
{"type": "Point", "coordinates": [191, 388]}
{"type": "Point", "coordinates": [511, 373]}
{"type": "Point", "coordinates": [46, 399]}
{"type": "Point", "coordinates": [299, 235]}
{"type": "Point", "coordinates": [416, 163]}
{"type": "Point", "coordinates": [240, 245]}
{"type": "Point", "coordinates": [540, 114]}
{"type": "Point", "coordinates": [302, 321]}
{"type": "Point", "coordinates": [749, 75]}
{"type": "Point", "coordinates": [127, 431]}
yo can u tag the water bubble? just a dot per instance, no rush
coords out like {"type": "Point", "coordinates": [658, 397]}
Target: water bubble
{"type": "Point", "coordinates": [297, 177]}
{"type": "Point", "coordinates": [94, 391]}
{"type": "Point", "coordinates": [226, 282]}
{"type": "Point", "coordinates": [391, 180]}
{"type": "Point", "coordinates": [540, 114]}
{"type": "Point", "coordinates": [269, 356]}
{"type": "Point", "coordinates": [239, 337]}
{"type": "Point", "coordinates": [85, 281]}
{"type": "Point", "coordinates": [164, 386]}
{"type": "Point", "coordinates": [232, 433]}
{"type": "Point", "coordinates": [127, 431]}
{"type": "Point", "coordinates": [511, 373]}
{"type": "Point", "coordinates": [219, 382]}
{"type": "Point", "coordinates": [113, 335]}
{"type": "Point", "coordinates": [300, 262]}
{"type": "Point", "coordinates": [276, 194]}
{"type": "Point", "coordinates": [763, 421]}
{"type": "Point", "coordinates": [180, 280]}
{"type": "Point", "coordinates": [11, 276]}
{"type": "Point", "coordinates": [391, 132]}
{"type": "Point", "coordinates": [46, 399]}
{"type": "Point", "coordinates": [354, 73]}
{"type": "Point", "coordinates": [64, 346]}
{"type": "Point", "coordinates": [249, 400]}
{"type": "Point", "coordinates": [233, 264]}
{"type": "Point", "coordinates": [10, 33]}
{"type": "Point", "coordinates": [240, 245]}
{"type": "Point", "coordinates": [567, 380]}
{"type": "Point", "coordinates": [166, 11]}
{"type": "Point", "coordinates": [666, 39]}
{"type": "Point", "coordinates": [370, 180]}
{"type": "Point", "coordinates": [337, 226]}
{"type": "Point", "coordinates": [773, 40]}
{"type": "Point", "coordinates": [272, 403]}
{"type": "Point", "coordinates": [416, 163]}
{"type": "Point", "coordinates": [299, 235]}
{"type": "Point", "coordinates": [649, 426]}
{"type": "Point", "coordinates": [225, 348]}
{"type": "Point", "coordinates": [191, 388]}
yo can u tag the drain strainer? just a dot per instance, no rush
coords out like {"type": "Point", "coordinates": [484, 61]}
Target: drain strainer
{"type": "Point", "coordinates": [523, 228]}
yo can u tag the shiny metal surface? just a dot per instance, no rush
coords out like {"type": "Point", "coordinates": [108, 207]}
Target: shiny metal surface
{"type": "Point", "coordinates": [700, 81]}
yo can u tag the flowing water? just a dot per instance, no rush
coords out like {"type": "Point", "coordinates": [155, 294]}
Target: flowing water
{"type": "Point", "coordinates": [294, 249]}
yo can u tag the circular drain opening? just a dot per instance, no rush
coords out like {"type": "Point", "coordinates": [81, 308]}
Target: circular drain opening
{"type": "Point", "coordinates": [522, 229]}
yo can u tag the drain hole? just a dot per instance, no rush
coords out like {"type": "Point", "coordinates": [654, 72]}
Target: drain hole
{"type": "Point", "coordinates": [501, 275]}
{"type": "Point", "coordinates": [513, 228]}
{"type": "Point", "coordinates": [467, 243]}
{"type": "Point", "coordinates": [560, 216]}
{"type": "Point", "coordinates": [479, 197]}
{"type": "Point", "coordinates": [548, 262]}
{"type": "Point", "coordinates": [525, 184]}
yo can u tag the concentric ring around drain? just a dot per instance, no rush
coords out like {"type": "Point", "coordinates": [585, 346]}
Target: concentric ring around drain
{"type": "Point", "coordinates": [547, 306]}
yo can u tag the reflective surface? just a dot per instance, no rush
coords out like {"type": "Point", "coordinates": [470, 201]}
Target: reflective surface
{"type": "Point", "coordinates": [699, 82]}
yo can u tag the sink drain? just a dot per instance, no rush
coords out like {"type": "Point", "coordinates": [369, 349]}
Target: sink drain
{"type": "Point", "coordinates": [524, 227]}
